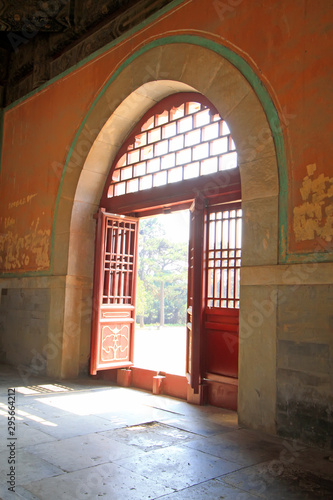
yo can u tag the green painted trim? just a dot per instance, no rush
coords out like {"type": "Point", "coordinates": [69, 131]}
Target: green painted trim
{"type": "Point", "coordinates": [255, 82]}
{"type": "Point", "coordinates": [98, 52]}
{"type": "Point", "coordinates": [304, 258]}
{"type": "Point", "coordinates": [261, 92]}
{"type": "Point", "coordinates": [27, 274]}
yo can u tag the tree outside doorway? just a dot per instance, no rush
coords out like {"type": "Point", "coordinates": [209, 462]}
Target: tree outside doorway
{"type": "Point", "coordinates": [160, 339]}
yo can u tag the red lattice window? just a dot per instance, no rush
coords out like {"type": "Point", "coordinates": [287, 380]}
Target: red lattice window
{"type": "Point", "coordinates": [119, 265]}
{"type": "Point", "coordinates": [224, 257]}
{"type": "Point", "coordinates": [175, 141]}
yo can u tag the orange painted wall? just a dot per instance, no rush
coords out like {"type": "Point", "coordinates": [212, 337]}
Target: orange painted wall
{"type": "Point", "coordinates": [289, 44]}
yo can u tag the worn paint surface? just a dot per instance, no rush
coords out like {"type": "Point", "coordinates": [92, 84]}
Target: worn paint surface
{"type": "Point", "coordinates": [37, 136]}
{"type": "Point", "coordinates": [292, 56]}
{"type": "Point", "coordinates": [314, 216]}
{"type": "Point", "coordinates": [30, 251]}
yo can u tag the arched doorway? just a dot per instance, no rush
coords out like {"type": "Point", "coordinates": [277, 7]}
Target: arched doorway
{"type": "Point", "coordinates": [240, 97]}
{"type": "Point", "coordinates": [166, 163]}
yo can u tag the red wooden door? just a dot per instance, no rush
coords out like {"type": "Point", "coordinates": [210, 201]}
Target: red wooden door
{"type": "Point", "coordinates": [221, 315]}
{"type": "Point", "coordinates": [114, 292]}
{"type": "Point", "coordinates": [213, 302]}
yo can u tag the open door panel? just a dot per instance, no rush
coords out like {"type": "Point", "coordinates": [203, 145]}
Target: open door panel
{"type": "Point", "coordinates": [221, 315]}
{"type": "Point", "coordinates": [213, 302]}
{"type": "Point", "coordinates": [114, 292]}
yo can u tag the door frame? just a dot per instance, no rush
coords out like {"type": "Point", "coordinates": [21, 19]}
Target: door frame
{"type": "Point", "coordinates": [242, 97]}
{"type": "Point", "coordinates": [193, 385]}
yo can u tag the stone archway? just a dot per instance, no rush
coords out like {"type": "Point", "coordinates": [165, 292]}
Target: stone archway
{"type": "Point", "coordinates": [130, 92]}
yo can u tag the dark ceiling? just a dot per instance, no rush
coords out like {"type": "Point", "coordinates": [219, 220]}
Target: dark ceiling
{"type": "Point", "coordinates": [40, 39]}
{"type": "Point", "coordinates": [23, 18]}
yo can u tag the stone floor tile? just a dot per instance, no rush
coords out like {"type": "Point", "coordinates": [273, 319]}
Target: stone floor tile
{"type": "Point", "coordinates": [26, 436]}
{"type": "Point", "coordinates": [124, 419]}
{"type": "Point", "coordinates": [83, 451]}
{"type": "Point", "coordinates": [130, 444]}
{"type": "Point", "coordinates": [170, 404]}
{"type": "Point", "coordinates": [276, 480]}
{"type": "Point", "coordinates": [79, 403]}
{"type": "Point", "coordinates": [178, 467]}
{"type": "Point", "coordinates": [179, 407]}
{"type": "Point", "coordinates": [150, 436]}
{"type": "Point", "coordinates": [226, 418]}
{"type": "Point", "coordinates": [3, 422]}
{"type": "Point", "coordinates": [198, 426]}
{"type": "Point", "coordinates": [239, 447]}
{"type": "Point", "coordinates": [109, 481]}
{"type": "Point", "coordinates": [20, 493]}
{"type": "Point", "coordinates": [210, 490]}
{"type": "Point", "coordinates": [312, 459]}
{"type": "Point", "coordinates": [104, 403]}
{"type": "Point", "coordinates": [40, 408]}
{"type": "Point", "coordinates": [135, 415]}
{"type": "Point", "coordinates": [28, 467]}
{"type": "Point", "coordinates": [13, 380]}
{"type": "Point", "coordinates": [47, 408]}
{"type": "Point", "coordinates": [71, 426]}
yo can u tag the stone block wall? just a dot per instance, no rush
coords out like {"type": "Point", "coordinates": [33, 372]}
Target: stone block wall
{"type": "Point", "coordinates": [304, 363]}
{"type": "Point", "coordinates": [24, 312]}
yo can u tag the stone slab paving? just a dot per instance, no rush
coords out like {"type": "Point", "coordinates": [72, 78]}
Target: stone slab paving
{"type": "Point", "coordinates": [89, 439]}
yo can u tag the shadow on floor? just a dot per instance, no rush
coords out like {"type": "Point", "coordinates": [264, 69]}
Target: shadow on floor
{"type": "Point", "coordinates": [87, 439]}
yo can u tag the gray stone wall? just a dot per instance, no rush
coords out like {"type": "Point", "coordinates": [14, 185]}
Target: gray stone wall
{"type": "Point", "coordinates": [304, 363]}
{"type": "Point", "coordinates": [24, 316]}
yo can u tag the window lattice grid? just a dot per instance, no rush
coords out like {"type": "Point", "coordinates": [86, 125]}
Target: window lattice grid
{"type": "Point", "coordinates": [224, 258]}
{"type": "Point", "coordinates": [119, 262]}
{"type": "Point", "coordinates": [182, 143]}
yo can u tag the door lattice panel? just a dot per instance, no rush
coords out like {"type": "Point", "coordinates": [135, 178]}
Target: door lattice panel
{"type": "Point", "coordinates": [114, 292]}
{"type": "Point", "coordinates": [221, 318]}
{"type": "Point", "coordinates": [224, 257]}
{"type": "Point", "coordinates": [119, 262]}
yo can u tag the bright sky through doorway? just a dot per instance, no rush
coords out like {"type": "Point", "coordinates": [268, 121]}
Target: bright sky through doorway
{"type": "Point", "coordinates": [176, 225]}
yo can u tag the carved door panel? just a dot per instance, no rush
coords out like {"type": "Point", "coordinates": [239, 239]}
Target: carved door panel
{"type": "Point", "coordinates": [114, 292]}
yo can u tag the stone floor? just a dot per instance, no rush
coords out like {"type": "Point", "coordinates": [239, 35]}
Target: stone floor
{"type": "Point", "coordinates": [89, 440]}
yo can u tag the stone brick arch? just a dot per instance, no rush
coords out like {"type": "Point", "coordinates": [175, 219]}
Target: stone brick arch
{"type": "Point", "coordinates": [150, 75]}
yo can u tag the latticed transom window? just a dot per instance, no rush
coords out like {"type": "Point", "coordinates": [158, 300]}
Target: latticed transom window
{"type": "Point", "coordinates": [177, 140]}
{"type": "Point", "coordinates": [224, 257]}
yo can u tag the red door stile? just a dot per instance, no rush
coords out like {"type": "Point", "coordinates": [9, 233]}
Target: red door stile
{"type": "Point", "coordinates": [97, 291]}
{"type": "Point", "coordinates": [195, 301]}
{"type": "Point", "coordinates": [114, 292]}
